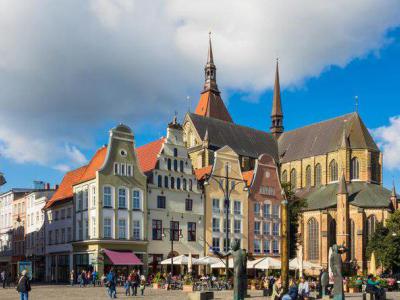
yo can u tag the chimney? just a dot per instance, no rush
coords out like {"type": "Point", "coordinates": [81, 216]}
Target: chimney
{"type": "Point", "coordinates": [56, 186]}
{"type": "Point", "coordinates": [47, 187]}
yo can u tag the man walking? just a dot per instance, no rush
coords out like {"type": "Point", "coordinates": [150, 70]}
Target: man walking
{"type": "Point", "coordinates": [24, 286]}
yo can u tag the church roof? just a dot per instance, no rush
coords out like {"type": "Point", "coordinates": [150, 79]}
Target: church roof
{"type": "Point", "coordinates": [243, 140]}
{"type": "Point", "coordinates": [324, 137]}
{"type": "Point", "coordinates": [361, 194]}
{"type": "Point", "coordinates": [212, 105]}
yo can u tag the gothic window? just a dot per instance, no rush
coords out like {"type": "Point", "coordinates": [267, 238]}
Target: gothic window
{"type": "Point", "coordinates": [332, 233]}
{"type": "Point", "coordinates": [352, 240]}
{"type": "Point", "coordinates": [175, 165]}
{"type": "Point", "coordinates": [178, 183]}
{"type": "Point", "coordinates": [169, 164]}
{"type": "Point", "coordinates": [293, 179]}
{"type": "Point", "coordinates": [318, 175]}
{"type": "Point", "coordinates": [284, 176]}
{"type": "Point", "coordinates": [172, 182]}
{"type": "Point", "coordinates": [159, 181]}
{"type": "Point", "coordinates": [354, 168]}
{"type": "Point", "coordinates": [333, 171]}
{"type": "Point", "coordinates": [184, 184]}
{"type": "Point", "coordinates": [313, 239]}
{"type": "Point", "coordinates": [308, 176]}
{"type": "Point", "coordinates": [181, 165]}
{"type": "Point", "coordinates": [190, 185]}
{"type": "Point", "coordinates": [371, 226]}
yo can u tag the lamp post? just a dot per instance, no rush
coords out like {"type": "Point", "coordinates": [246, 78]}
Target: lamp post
{"type": "Point", "coordinates": [227, 193]}
{"type": "Point", "coordinates": [172, 230]}
{"type": "Point", "coordinates": [285, 242]}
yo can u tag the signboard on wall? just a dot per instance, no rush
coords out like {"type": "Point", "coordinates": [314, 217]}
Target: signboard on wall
{"type": "Point", "coordinates": [25, 265]}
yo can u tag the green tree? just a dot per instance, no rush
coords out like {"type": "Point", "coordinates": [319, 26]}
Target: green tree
{"type": "Point", "coordinates": [385, 242]}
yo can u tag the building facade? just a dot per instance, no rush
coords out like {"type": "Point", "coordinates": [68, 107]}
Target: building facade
{"type": "Point", "coordinates": [35, 231]}
{"type": "Point", "coordinates": [110, 210]}
{"type": "Point", "coordinates": [265, 197]}
{"type": "Point", "coordinates": [175, 204]}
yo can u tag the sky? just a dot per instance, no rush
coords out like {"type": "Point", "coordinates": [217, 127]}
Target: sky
{"type": "Point", "coordinates": [70, 70]}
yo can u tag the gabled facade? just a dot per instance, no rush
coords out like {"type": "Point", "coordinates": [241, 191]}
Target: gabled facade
{"type": "Point", "coordinates": [175, 204]}
{"type": "Point", "coordinates": [109, 207]}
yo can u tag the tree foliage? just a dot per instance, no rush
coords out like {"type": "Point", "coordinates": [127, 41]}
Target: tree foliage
{"type": "Point", "coordinates": [385, 242]}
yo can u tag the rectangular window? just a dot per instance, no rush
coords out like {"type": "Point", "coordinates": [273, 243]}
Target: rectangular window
{"type": "Point", "coordinates": [215, 244]}
{"type": "Point", "coordinates": [215, 206]}
{"type": "Point", "coordinates": [136, 200]}
{"type": "Point", "coordinates": [86, 236]}
{"type": "Point", "coordinates": [116, 169]}
{"type": "Point", "coordinates": [55, 217]}
{"type": "Point", "coordinates": [275, 229]}
{"type": "Point", "coordinates": [107, 227]}
{"type": "Point", "coordinates": [63, 235]}
{"type": "Point", "coordinates": [174, 230]}
{"type": "Point", "coordinates": [267, 210]}
{"type": "Point", "coordinates": [237, 226]}
{"type": "Point", "coordinates": [69, 213]}
{"type": "Point", "coordinates": [56, 238]}
{"type": "Point", "coordinates": [275, 246]}
{"type": "Point", "coordinates": [257, 226]}
{"type": "Point", "coordinates": [191, 231]}
{"type": "Point", "coordinates": [69, 234]}
{"type": "Point", "coordinates": [79, 195]}
{"type": "Point", "coordinates": [107, 196]}
{"type": "Point", "coordinates": [136, 230]}
{"type": "Point", "coordinates": [275, 211]}
{"type": "Point", "coordinates": [257, 209]}
{"type": "Point", "coordinates": [266, 247]}
{"type": "Point", "coordinates": [122, 198]}
{"type": "Point", "coordinates": [229, 225]}
{"type": "Point", "coordinates": [257, 248]}
{"type": "Point", "coordinates": [123, 169]}
{"type": "Point", "coordinates": [129, 170]}
{"type": "Point", "coordinates": [80, 230]}
{"type": "Point", "coordinates": [161, 201]}
{"type": "Point", "coordinates": [226, 246]}
{"type": "Point", "coordinates": [93, 196]}
{"type": "Point", "coordinates": [237, 210]}
{"type": "Point", "coordinates": [85, 199]}
{"type": "Point", "coordinates": [50, 238]}
{"type": "Point", "coordinates": [93, 227]}
{"type": "Point", "coordinates": [189, 204]}
{"type": "Point", "coordinates": [266, 228]}
{"type": "Point", "coordinates": [62, 215]}
{"type": "Point", "coordinates": [215, 225]}
{"type": "Point", "coordinates": [121, 228]}
{"type": "Point", "coordinates": [157, 230]}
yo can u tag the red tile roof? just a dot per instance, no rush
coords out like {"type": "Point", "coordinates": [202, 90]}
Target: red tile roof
{"type": "Point", "coordinates": [201, 173]}
{"type": "Point", "coordinates": [64, 191]}
{"type": "Point", "coordinates": [147, 154]}
{"type": "Point", "coordinates": [211, 105]}
{"type": "Point", "coordinates": [248, 176]}
{"type": "Point", "coordinates": [95, 164]}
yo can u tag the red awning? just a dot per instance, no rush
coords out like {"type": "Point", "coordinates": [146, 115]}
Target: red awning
{"type": "Point", "coordinates": [123, 258]}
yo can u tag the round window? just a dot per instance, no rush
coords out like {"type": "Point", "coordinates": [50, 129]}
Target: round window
{"type": "Point", "coordinates": [123, 153]}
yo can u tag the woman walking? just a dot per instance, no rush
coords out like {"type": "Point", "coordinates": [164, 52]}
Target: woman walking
{"type": "Point", "coordinates": [24, 286]}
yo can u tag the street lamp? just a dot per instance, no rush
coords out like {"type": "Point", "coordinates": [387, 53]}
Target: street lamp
{"type": "Point", "coordinates": [227, 193]}
{"type": "Point", "coordinates": [172, 231]}
{"type": "Point", "coordinates": [285, 242]}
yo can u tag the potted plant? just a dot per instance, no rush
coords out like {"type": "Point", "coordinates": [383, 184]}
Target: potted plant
{"type": "Point", "coordinates": [157, 281]}
{"type": "Point", "coordinates": [187, 283]}
{"type": "Point", "coordinates": [353, 286]}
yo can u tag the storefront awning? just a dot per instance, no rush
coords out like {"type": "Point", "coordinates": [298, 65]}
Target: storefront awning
{"type": "Point", "coordinates": [123, 258]}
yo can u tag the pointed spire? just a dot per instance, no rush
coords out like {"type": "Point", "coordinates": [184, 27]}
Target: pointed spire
{"type": "Point", "coordinates": [345, 141]}
{"type": "Point", "coordinates": [206, 138]}
{"type": "Point", "coordinates": [394, 195]}
{"type": "Point", "coordinates": [342, 188]}
{"type": "Point", "coordinates": [210, 71]}
{"type": "Point", "coordinates": [276, 114]}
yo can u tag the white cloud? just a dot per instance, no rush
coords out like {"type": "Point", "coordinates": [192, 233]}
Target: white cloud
{"type": "Point", "coordinates": [388, 138]}
{"type": "Point", "coordinates": [69, 67]}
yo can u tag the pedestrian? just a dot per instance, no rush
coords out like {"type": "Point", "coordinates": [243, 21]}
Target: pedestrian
{"type": "Point", "coordinates": [304, 289]}
{"type": "Point", "coordinates": [142, 284]}
{"type": "Point", "coordinates": [293, 291]}
{"type": "Point", "coordinates": [276, 289]}
{"type": "Point", "coordinates": [135, 283]}
{"type": "Point", "coordinates": [127, 288]}
{"type": "Point", "coordinates": [72, 277]}
{"type": "Point", "coordinates": [94, 278]}
{"type": "Point", "coordinates": [83, 279]}
{"type": "Point", "coordinates": [24, 286]}
{"type": "Point", "coordinates": [111, 284]}
{"type": "Point", "coordinates": [3, 278]}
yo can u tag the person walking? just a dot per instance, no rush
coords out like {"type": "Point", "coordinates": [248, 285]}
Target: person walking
{"type": "Point", "coordinates": [135, 282]}
{"type": "Point", "coordinates": [142, 284]}
{"type": "Point", "coordinates": [24, 286]}
{"type": "Point", "coordinates": [3, 278]}
{"type": "Point", "coordinates": [304, 289]}
{"type": "Point", "coordinates": [276, 290]}
{"type": "Point", "coordinates": [111, 284]}
{"type": "Point", "coordinates": [72, 277]}
{"type": "Point", "coordinates": [94, 277]}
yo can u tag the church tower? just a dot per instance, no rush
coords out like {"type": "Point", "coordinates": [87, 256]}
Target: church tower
{"type": "Point", "coordinates": [276, 114]}
{"type": "Point", "coordinates": [393, 198]}
{"type": "Point", "coordinates": [343, 216]}
{"type": "Point", "coordinates": [210, 103]}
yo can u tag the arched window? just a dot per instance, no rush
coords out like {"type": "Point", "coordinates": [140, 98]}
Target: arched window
{"type": "Point", "coordinates": [332, 233]}
{"type": "Point", "coordinates": [333, 170]}
{"type": "Point", "coordinates": [169, 164]}
{"type": "Point", "coordinates": [313, 239]}
{"type": "Point", "coordinates": [293, 179]}
{"type": "Point", "coordinates": [308, 176]}
{"type": "Point", "coordinates": [352, 240]}
{"type": "Point", "coordinates": [354, 168]}
{"type": "Point", "coordinates": [318, 175]}
{"type": "Point", "coordinates": [175, 165]}
{"type": "Point", "coordinates": [190, 184]}
{"type": "Point", "coordinates": [159, 181]}
{"type": "Point", "coordinates": [175, 152]}
{"type": "Point", "coordinates": [166, 181]}
{"type": "Point", "coordinates": [178, 183]}
{"type": "Point", "coordinates": [181, 165]}
{"type": "Point", "coordinates": [371, 226]}
{"type": "Point", "coordinates": [184, 184]}
{"type": "Point", "coordinates": [284, 176]}
{"type": "Point", "coordinates": [172, 182]}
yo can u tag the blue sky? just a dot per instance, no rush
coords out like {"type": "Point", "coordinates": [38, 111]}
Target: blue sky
{"type": "Point", "coordinates": [58, 106]}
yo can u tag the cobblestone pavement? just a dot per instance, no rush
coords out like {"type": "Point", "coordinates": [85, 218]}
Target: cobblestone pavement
{"type": "Point", "coordinates": [59, 292]}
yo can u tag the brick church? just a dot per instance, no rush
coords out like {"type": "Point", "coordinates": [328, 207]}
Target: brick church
{"type": "Point", "coordinates": [334, 164]}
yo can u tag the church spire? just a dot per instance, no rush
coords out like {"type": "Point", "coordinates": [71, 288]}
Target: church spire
{"type": "Point", "coordinates": [342, 188]}
{"type": "Point", "coordinates": [210, 71]}
{"type": "Point", "coordinates": [276, 114]}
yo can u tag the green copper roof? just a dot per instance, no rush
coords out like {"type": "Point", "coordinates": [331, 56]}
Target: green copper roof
{"type": "Point", "coordinates": [361, 194]}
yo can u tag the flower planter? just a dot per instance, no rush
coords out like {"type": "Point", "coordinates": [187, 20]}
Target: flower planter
{"type": "Point", "coordinates": [187, 288]}
{"type": "Point", "coordinates": [156, 286]}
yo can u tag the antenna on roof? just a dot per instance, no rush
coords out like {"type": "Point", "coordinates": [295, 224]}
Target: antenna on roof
{"type": "Point", "coordinates": [188, 100]}
{"type": "Point", "coordinates": [356, 103]}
